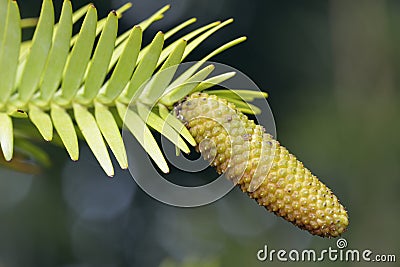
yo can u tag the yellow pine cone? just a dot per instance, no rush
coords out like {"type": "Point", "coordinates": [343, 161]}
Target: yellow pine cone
{"type": "Point", "coordinates": [261, 167]}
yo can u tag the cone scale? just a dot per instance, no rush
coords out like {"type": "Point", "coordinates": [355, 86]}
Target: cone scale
{"type": "Point", "coordinates": [260, 166]}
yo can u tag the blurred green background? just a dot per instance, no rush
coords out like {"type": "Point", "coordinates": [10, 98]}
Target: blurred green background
{"type": "Point", "coordinates": [331, 69]}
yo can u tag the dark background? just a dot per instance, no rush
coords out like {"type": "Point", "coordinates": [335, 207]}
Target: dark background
{"type": "Point", "coordinates": [331, 69]}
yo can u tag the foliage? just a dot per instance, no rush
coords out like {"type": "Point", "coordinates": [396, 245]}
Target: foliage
{"type": "Point", "coordinates": [82, 84]}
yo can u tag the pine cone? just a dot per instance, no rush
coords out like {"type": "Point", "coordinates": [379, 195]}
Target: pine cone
{"type": "Point", "coordinates": [262, 168]}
